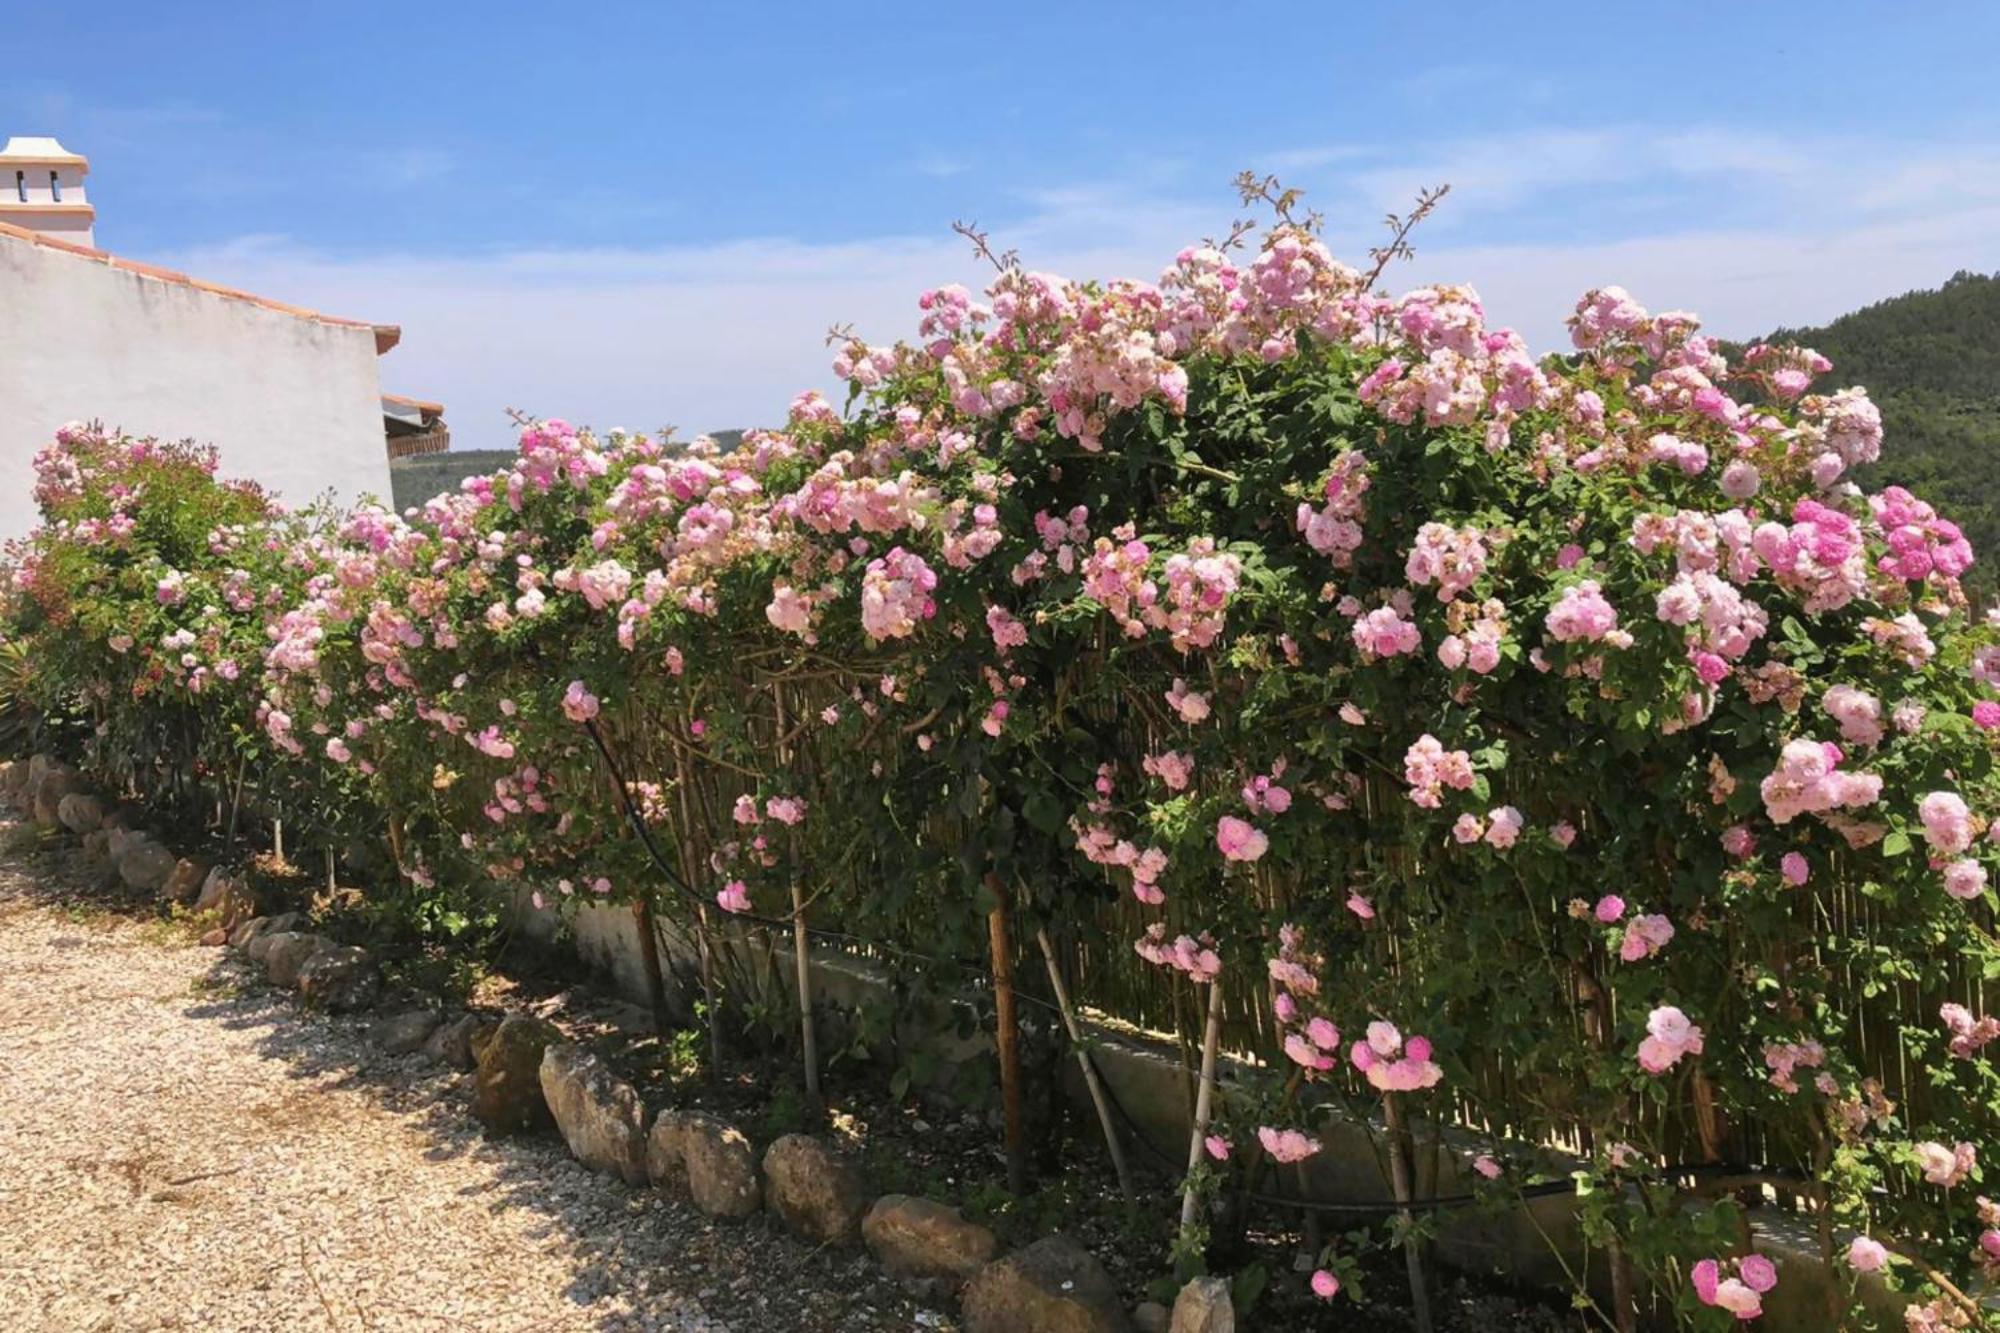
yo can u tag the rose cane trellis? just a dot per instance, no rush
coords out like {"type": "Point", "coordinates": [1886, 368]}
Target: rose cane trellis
{"type": "Point", "coordinates": [1268, 428]}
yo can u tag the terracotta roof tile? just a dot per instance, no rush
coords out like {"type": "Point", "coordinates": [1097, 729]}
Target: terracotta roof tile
{"type": "Point", "coordinates": [433, 409]}
{"type": "Point", "coordinates": [386, 335]}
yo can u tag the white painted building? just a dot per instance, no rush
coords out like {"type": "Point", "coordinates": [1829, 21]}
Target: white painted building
{"type": "Point", "coordinates": [290, 397]}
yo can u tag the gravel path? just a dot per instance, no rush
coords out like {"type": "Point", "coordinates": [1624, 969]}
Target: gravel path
{"type": "Point", "coordinates": [179, 1153]}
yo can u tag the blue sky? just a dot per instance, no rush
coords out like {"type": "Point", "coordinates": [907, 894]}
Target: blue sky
{"type": "Point", "coordinates": [648, 214]}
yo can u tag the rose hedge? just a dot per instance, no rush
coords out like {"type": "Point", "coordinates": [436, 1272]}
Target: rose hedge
{"type": "Point", "coordinates": [1560, 743]}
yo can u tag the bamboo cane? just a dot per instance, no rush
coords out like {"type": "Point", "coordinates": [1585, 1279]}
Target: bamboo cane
{"type": "Point", "coordinates": [1204, 1103]}
{"type": "Point", "coordinates": [801, 950]}
{"type": "Point", "coordinates": [1090, 1076]}
{"type": "Point", "coordinates": [802, 961]}
{"type": "Point", "coordinates": [236, 802]}
{"type": "Point", "coordinates": [1399, 1176]}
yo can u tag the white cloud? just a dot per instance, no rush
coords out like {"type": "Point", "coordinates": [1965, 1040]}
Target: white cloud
{"type": "Point", "coordinates": [1743, 283]}
{"type": "Point", "coordinates": [725, 334]}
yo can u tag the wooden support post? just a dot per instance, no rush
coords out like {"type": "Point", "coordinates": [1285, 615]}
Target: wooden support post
{"type": "Point", "coordinates": [1007, 1038]}
{"type": "Point", "coordinates": [801, 945]}
{"type": "Point", "coordinates": [1204, 1105]}
{"type": "Point", "coordinates": [708, 995]}
{"type": "Point", "coordinates": [802, 961]}
{"type": "Point", "coordinates": [1091, 1081]}
{"type": "Point", "coordinates": [236, 802]}
{"type": "Point", "coordinates": [649, 952]}
{"type": "Point", "coordinates": [1399, 1176]}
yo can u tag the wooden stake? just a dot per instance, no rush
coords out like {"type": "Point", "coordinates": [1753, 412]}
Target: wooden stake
{"type": "Point", "coordinates": [236, 802]}
{"type": "Point", "coordinates": [708, 993]}
{"type": "Point", "coordinates": [802, 960]}
{"type": "Point", "coordinates": [1204, 1106]}
{"type": "Point", "coordinates": [1090, 1078]}
{"type": "Point", "coordinates": [649, 952]}
{"type": "Point", "coordinates": [1007, 1038]}
{"type": "Point", "coordinates": [1399, 1175]}
{"type": "Point", "coordinates": [801, 946]}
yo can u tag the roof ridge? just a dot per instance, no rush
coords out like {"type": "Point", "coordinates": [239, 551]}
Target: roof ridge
{"type": "Point", "coordinates": [386, 335]}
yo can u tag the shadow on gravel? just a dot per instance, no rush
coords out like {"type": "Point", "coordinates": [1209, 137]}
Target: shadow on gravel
{"type": "Point", "coordinates": [677, 1270]}
{"type": "Point", "coordinates": [670, 1261]}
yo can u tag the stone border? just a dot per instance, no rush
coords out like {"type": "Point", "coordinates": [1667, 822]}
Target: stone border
{"type": "Point", "coordinates": [526, 1077]}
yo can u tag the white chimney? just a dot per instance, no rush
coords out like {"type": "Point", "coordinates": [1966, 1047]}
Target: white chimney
{"type": "Point", "coordinates": [41, 188]}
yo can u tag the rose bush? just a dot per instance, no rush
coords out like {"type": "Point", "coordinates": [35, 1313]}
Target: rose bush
{"type": "Point", "coordinates": [1325, 646]}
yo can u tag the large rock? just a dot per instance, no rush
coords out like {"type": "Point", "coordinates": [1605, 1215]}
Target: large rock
{"type": "Point", "coordinates": [58, 782]}
{"type": "Point", "coordinates": [453, 1043]}
{"type": "Point", "coordinates": [507, 1089]}
{"type": "Point", "coordinates": [13, 776]}
{"type": "Point", "coordinates": [229, 897]}
{"type": "Point", "coordinates": [184, 883]}
{"type": "Point", "coordinates": [600, 1116]}
{"type": "Point", "coordinates": [285, 952]}
{"type": "Point", "coordinates": [123, 837]}
{"type": "Point", "coordinates": [143, 864]}
{"type": "Point", "coordinates": [1204, 1306]}
{"type": "Point", "coordinates": [400, 1034]}
{"type": "Point", "coordinates": [711, 1155]}
{"type": "Point", "coordinates": [80, 812]}
{"type": "Point", "coordinates": [1052, 1286]}
{"type": "Point", "coordinates": [340, 978]}
{"type": "Point", "coordinates": [815, 1190]}
{"type": "Point", "coordinates": [923, 1238]}
{"type": "Point", "coordinates": [246, 933]}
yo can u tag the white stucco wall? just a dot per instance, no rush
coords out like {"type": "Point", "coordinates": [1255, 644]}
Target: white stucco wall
{"type": "Point", "coordinates": [292, 403]}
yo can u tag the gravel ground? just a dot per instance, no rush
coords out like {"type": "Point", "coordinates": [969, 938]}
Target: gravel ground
{"type": "Point", "coordinates": [178, 1151]}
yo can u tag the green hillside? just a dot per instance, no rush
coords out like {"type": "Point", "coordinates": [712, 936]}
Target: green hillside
{"type": "Point", "coordinates": [1931, 360]}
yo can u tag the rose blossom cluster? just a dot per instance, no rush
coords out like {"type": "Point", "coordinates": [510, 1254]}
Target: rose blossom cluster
{"type": "Point", "coordinates": [1196, 958]}
{"type": "Point", "coordinates": [896, 595]}
{"type": "Point", "coordinates": [1670, 1035]}
{"type": "Point", "coordinates": [850, 533]}
{"type": "Point", "coordinates": [1393, 1063]}
{"type": "Point", "coordinates": [1429, 768]}
{"type": "Point", "coordinates": [1968, 1034]}
{"type": "Point", "coordinates": [1808, 779]}
{"type": "Point", "coordinates": [1736, 1285]}
{"type": "Point", "coordinates": [1334, 527]}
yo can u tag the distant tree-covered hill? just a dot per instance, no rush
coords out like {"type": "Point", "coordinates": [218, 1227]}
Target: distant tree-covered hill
{"type": "Point", "coordinates": [1931, 361]}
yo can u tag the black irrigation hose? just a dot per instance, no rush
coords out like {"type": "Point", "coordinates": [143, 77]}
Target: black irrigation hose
{"type": "Point", "coordinates": [1384, 1208]}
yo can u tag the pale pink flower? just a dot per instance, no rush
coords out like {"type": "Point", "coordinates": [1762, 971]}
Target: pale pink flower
{"type": "Point", "coordinates": [1670, 1035]}
{"type": "Point", "coordinates": [1965, 879]}
{"type": "Point", "coordinates": [1240, 840]}
{"type": "Point", "coordinates": [1867, 1255]}
{"type": "Point", "coordinates": [578, 703]}
{"type": "Point", "coordinates": [1287, 1145]}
